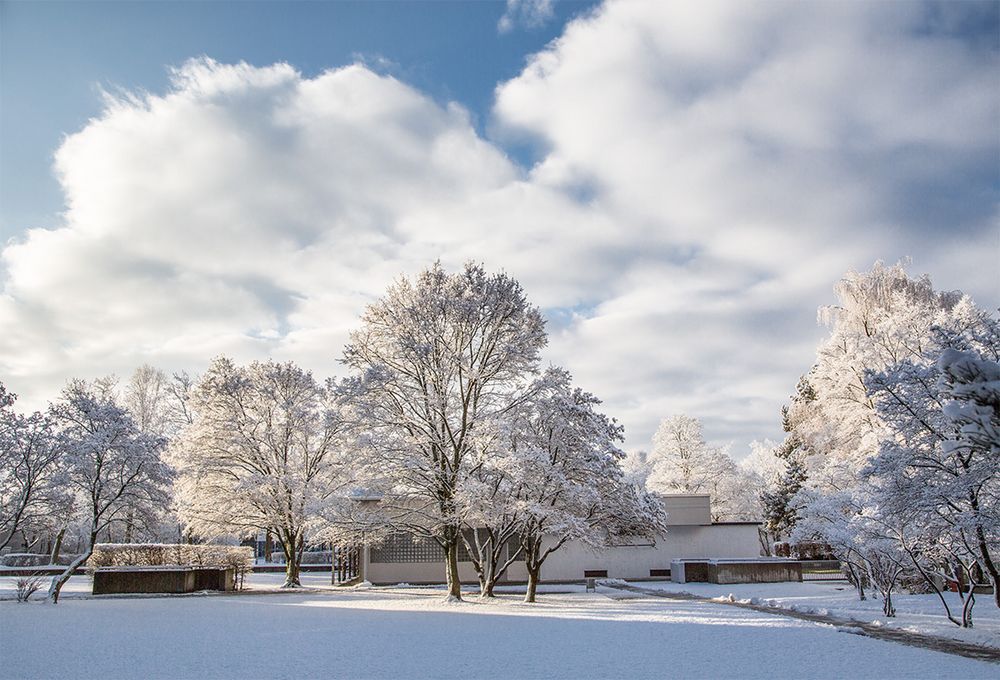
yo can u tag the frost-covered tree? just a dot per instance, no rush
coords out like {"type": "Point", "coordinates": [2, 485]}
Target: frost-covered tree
{"type": "Point", "coordinates": [942, 458]}
{"type": "Point", "coordinates": [683, 462]}
{"type": "Point", "coordinates": [264, 453]}
{"type": "Point", "coordinates": [31, 479]}
{"type": "Point", "coordinates": [111, 466]}
{"type": "Point", "coordinates": [436, 363]}
{"type": "Point", "coordinates": [860, 533]}
{"type": "Point", "coordinates": [158, 405]}
{"type": "Point", "coordinates": [875, 425]}
{"type": "Point", "coordinates": [572, 486]}
{"type": "Point", "coordinates": [765, 463]}
{"type": "Point", "coordinates": [882, 317]}
{"type": "Point", "coordinates": [145, 396]}
{"type": "Point", "coordinates": [637, 467]}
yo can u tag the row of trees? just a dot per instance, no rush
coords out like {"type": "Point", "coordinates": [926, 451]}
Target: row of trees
{"type": "Point", "coordinates": [445, 415]}
{"type": "Point", "coordinates": [894, 439]}
{"type": "Point", "coordinates": [84, 461]}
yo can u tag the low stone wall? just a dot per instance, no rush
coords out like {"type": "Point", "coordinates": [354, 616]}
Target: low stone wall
{"type": "Point", "coordinates": [735, 571]}
{"type": "Point", "coordinates": [754, 572]}
{"type": "Point", "coordinates": [116, 580]}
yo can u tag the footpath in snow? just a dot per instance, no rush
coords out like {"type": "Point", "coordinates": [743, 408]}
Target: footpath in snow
{"type": "Point", "coordinates": [918, 614]}
{"type": "Point", "coordinates": [411, 632]}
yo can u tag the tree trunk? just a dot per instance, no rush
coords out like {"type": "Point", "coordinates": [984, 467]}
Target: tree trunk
{"type": "Point", "coordinates": [529, 594]}
{"type": "Point", "coordinates": [293, 557]}
{"type": "Point", "coordinates": [967, 606]}
{"type": "Point", "coordinates": [451, 566]}
{"type": "Point", "coordinates": [929, 579]}
{"type": "Point", "coordinates": [59, 581]}
{"type": "Point", "coordinates": [856, 576]}
{"type": "Point", "coordinates": [57, 547]}
{"type": "Point", "coordinates": [268, 546]}
{"type": "Point", "coordinates": [129, 526]}
{"type": "Point", "coordinates": [887, 607]}
{"type": "Point", "coordinates": [984, 550]}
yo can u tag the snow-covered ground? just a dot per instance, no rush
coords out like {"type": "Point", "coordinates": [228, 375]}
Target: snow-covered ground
{"type": "Point", "coordinates": [413, 633]}
{"type": "Point", "coordinates": [917, 613]}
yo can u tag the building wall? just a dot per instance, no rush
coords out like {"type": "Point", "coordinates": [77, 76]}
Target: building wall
{"type": "Point", "coordinates": [690, 534]}
{"type": "Point", "coordinates": [687, 509]}
{"type": "Point", "coordinates": [636, 561]}
{"type": "Point", "coordinates": [573, 559]}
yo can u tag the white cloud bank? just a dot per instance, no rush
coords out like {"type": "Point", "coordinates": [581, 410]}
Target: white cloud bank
{"type": "Point", "coordinates": [708, 172]}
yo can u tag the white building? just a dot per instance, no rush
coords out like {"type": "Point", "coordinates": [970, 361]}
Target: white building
{"type": "Point", "coordinates": [691, 534]}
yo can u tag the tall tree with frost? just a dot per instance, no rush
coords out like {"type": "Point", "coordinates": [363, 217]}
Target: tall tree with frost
{"type": "Point", "coordinates": [683, 462]}
{"type": "Point", "coordinates": [571, 483]}
{"type": "Point", "coordinates": [882, 318]}
{"type": "Point", "coordinates": [876, 427]}
{"type": "Point", "coordinates": [437, 361]}
{"type": "Point", "coordinates": [777, 499]}
{"type": "Point", "coordinates": [264, 453]}
{"type": "Point", "coordinates": [30, 472]}
{"type": "Point", "coordinates": [157, 404]}
{"type": "Point", "coordinates": [111, 465]}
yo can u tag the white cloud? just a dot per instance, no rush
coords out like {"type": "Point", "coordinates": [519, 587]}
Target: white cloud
{"type": "Point", "coordinates": [525, 14]}
{"type": "Point", "coordinates": [749, 153]}
{"type": "Point", "coordinates": [707, 175]}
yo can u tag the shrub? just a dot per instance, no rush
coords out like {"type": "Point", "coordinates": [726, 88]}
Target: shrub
{"type": "Point", "coordinates": [23, 560]}
{"type": "Point", "coordinates": [26, 586]}
{"type": "Point", "coordinates": [318, 557]}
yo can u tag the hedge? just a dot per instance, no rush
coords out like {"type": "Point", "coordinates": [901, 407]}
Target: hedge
{"type": "Point", "coordinates": [236, 557]}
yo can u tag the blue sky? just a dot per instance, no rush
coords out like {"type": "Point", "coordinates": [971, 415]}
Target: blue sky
{"type": "Point", "coordinates": [55, 57]}
{"type": "Point", "coordinates": [678, 185]}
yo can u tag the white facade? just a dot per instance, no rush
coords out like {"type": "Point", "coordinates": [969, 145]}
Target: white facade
{"type": "Point", "coordinates": [691, 534]}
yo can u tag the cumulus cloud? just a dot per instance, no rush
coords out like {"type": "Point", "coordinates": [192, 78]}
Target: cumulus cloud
{"type": "Point", "coordinates": [704, 178]}
{"type": "Point", "coordinates": [749, 153]}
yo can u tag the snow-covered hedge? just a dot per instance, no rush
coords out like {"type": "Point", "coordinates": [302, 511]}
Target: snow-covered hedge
{"type": "Point", "coordinates": [237, 557]}
{"type": "Point", "coordinates": [32, 560]}
{"type": "Point", "coordinates": [23, 560]}
{"type": "Point", "coordinates": [318, 557]}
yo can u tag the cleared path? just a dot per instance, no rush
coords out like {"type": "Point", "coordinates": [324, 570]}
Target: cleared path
{"type": "Point", "coordinates": [892, 634]}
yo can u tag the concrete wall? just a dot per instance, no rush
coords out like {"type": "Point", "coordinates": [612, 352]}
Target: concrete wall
{"type": "Point", "coordinates": [760, 570]}
{"type": "Point", "coordinates": [687, 509]}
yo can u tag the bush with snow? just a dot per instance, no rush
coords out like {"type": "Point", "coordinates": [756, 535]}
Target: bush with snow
{"type": "Point", "coordinates": [239, 558]}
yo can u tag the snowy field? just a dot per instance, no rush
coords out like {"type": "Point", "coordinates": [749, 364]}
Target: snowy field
{"type": "Point", "coordinates": [917, 613]}
{"type": "Point", "coordinates": [412, 633]}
